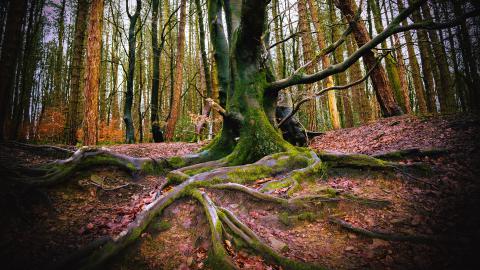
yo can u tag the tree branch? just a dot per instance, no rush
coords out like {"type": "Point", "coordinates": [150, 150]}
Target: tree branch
{"type": "Point", "coordinates": [299, 78]}
{"type": "Point", "coordinates": [325, 90]}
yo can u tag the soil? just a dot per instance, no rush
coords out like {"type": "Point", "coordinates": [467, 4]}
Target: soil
{"type": "Point", "coordinates": [39, 227]}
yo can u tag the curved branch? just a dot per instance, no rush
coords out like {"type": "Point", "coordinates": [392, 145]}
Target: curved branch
{"type": "Point", "coordinates": [325, 90]}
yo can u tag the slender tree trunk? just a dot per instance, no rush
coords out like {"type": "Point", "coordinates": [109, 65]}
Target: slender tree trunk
{"type": "Point", "coordinates": [471, 69]}
{"type": "Point", "coordinates": [157, 134]}
{"type": "Point", "coordinates": [9, 57]}
{"type": "Point", "coordinates": [58, 82]}
{"type": "Point", "coordinates": [400, 65]}
{"type": "Point", "coordinates": [132, 43]}
{"type": "Point", "coordinates": [206, 71]}
{"type": "Point", "coordinates": [392, 72]}
{"type": "Point", "coordinates": [332, 100]}
{"type": "Point", "coordinates": [415, 69]}
{"type": "Point", "coordinates": [307, 48]}
{"type": "Point", "coordinates": [73, 117]}
{"type": "Point", "coordinates": [114, 72]}
{"type": "Point", "coordinates": [383, 89]}
{"type": "Point", "coordinates": [177, 88]}
{"type": "Point", "coordinates": [445, 92]}
{"type": "Point", "coordinates": [92, 75]}
{"type": "Point", "coordinates": [359, 92]}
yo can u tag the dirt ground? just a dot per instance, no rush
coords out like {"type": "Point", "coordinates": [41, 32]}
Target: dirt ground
{"type": "Point", "coordinates": [39, 227]}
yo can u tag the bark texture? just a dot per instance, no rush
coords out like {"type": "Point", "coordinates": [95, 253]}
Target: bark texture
{"type": "Point", "coordinates": [383, 89]}
{"type": "Point", "coordinates": [177, 87]}
{"type": "Point", "coordinates": [92, 75]}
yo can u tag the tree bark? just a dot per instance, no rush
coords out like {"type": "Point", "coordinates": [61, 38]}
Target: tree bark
{"type": "Point", "coordinates": [8, 61]}
{"type": "Point", "coordinates": [157, 134]}
{"type": "Point", "coordinates": [307, 48]}
{"type": "Point", "coordinates": [382, 87]}
{"type": "Point", "coordinates": [132, 43]}
{"type": "Point", "coordinates": [445, 93]}
{"type": "Point", "coordinates": [206, 71]}
{"type": "Point", "coordinates": [73, 117]}
{"type": "Point", "coordinates": [177, 88]}
{"type": "Point", "coordinates": [92, 76]}
{"type": "Point", "coordinates": [415, 68]}
{"type": "Point", "coordinates": [332, 100]}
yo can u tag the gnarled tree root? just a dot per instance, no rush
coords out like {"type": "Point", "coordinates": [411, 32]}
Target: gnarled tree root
{"type": "Point", "coordinates": [191, 177]}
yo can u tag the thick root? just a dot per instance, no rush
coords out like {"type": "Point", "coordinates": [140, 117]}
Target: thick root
{"type": "Point", "coordinates": [218, 258]}
{"type": "Point", "coordinates": [384, 236]}
{"type": "Point", "coordinates": [255, 242]}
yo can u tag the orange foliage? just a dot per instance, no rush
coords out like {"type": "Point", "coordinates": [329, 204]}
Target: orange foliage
{"type": "Point", "coordinates": [51, 127]}
{"type": "Point", "coordinates": [110, 133]}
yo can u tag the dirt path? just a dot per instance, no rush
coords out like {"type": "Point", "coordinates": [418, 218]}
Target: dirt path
{"type": "Point", "coordinates": [42, 226]}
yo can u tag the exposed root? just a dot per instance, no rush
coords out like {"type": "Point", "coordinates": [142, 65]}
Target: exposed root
{"type": "Point", "coordinates": [190, 177]}
{"type": "Point", "coordinates": [255, 242]}
{"type": "Point", "coordinates": [218, 258]}
{"type": "Point", "coordinates": [301, 200]}
{"type": "Point", "coordinates": [384, 236]}
{"type": "Point", "coordinates": [50, 150]}
{"type": "Point", "coordinates": [410, 153]}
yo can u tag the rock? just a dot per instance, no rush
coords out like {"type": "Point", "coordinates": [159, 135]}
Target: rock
{"type": "Point", "coordinates": [277, 244]}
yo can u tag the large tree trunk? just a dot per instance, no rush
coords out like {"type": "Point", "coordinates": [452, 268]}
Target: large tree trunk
{"type": "Point", "coordinates": [8, 60]}
{"type": "Point", "coordinates": [383, 89]}
{"type": "Point", "coordinates": [178, 83]}
{"type": "Point", "coordinates": [92, 76]}
{"type": "Point", "coordinates": [73, 117]}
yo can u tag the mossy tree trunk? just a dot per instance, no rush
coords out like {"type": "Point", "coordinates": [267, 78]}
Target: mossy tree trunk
{"type": "Point", "coordinates": [243, 79]}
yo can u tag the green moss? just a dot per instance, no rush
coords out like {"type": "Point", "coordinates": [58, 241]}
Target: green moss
{"type": "Point", "coordinates": [249, 174]}
{"type": "Point", "coordinates": [331, 192]}
{"type": "Point", "coordinates": [307, 216]}
{"type": "Point", "coordinates": [197, 171]}
{"type": "Point", "coordinates": [285, 248]}
{"type": "Point", "coordinates": [273, 185]}
{"type": "Point", "coordinates": [176, 162]}
{"type": "Point", "coordinates": [161, 226]}
{"type": "Point", "coordinates": [284, 218]}
{"type": "Point", "coordinates": [288, 219]}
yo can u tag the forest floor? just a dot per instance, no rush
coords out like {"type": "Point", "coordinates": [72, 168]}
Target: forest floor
{"type": "Point", "coordinates": [38, 227]}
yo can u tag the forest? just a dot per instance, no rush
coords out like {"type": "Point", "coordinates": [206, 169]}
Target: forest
{"type": "Point", "coordinates": [239, 134]}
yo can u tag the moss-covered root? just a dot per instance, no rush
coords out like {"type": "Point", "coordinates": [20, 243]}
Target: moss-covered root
{"type": "Point", "coordinates": [339, 160]}
{"type": "Point", "coordinates": [247, 235]}
{"type": "Point", "coordinates": [218, 258]}
{"type": "Point", "coordinates": [97, 257]}
{"type": "Point", "coordinates": [359, 161]}
{"type": "Point", "coordinates": [330, 196]}
{"type": "Point", "coordinates": [182, 174]}
{"type": "Point", "coordinates": [89, 157]}
{"type": "Point", "coordinates": [411, 153]}
{"type": "Point", "coordinates": [385, 236]}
